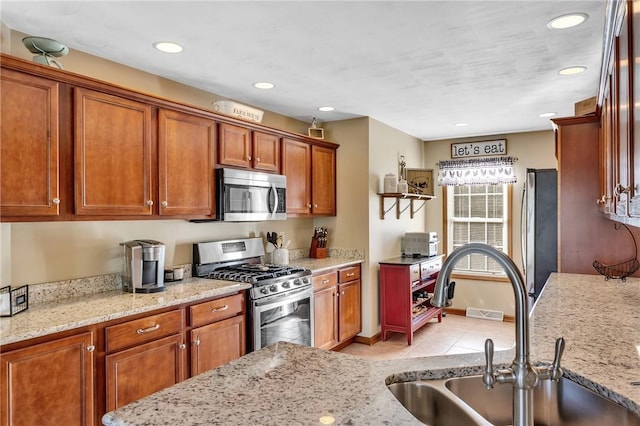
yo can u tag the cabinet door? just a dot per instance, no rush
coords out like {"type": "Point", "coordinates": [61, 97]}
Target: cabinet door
{"type": "Point", "coordinates": [349, 309]}
{"type": "Point", "coordinates": [323, 181]}
{"type": "Point", "coordinates": [325, 324]}
{"type": "Point", "coordinates": [49, 382]}
{"type": "Point", "coordinates": [216, 344]}
{"type": "Point", "coordinates": [186, 160]}
{"type": "Point", "coordinates": [606, 154]}
{"type": "Point", "coordinates": [29, 151]}
{"type": "Point", "coordinates": [142, 370]}
{"type": "Point", "coordinates": [296, 166]}
{"type": "Point", "coordinates": [234, 147]}
{"type": "Point", "coordinates": [113, 155]}
{"type": "Point", "coordinates": [266, 152]}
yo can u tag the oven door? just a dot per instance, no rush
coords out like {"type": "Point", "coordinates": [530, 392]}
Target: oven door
{"type": "Point", "coordinates": [286, 317]}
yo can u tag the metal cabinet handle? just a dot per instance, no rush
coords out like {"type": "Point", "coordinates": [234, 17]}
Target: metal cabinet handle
{"type": "Point", "coordinates": [164, 204]}
{"type": "Point", "coordinates": [197, 342]}
{"type": "Point", "coordinates": [148, 330]}
{"type": "Point", "coordinates": [309, 206]}
{"type": "Point", "coordinates": [325, 281]}
{"type": "Point", "coordinates": [182, 346]}
{"type": "Point", "coordinates": [56, 201]}
{"type": "Point", "coordinates": [149, 202]}
{"type": "Point", "coordinates": [248, 158]}
{"type": "Point", "coordinates": [351, 274]}
{"type": "Point", "coordinates": [257, 159]}
{"type": "Point", "coordinates": [316, 206]}
{"type": "Point", "coordinates": [342, 293]}
{"type": "Point", "coordinates": [223, 308]}
{"type": "Point", "coordinates": [90, 348]}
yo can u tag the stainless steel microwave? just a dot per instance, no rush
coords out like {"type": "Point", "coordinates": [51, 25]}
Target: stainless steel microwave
{"type": "Point", "coordinates": [247, 196]}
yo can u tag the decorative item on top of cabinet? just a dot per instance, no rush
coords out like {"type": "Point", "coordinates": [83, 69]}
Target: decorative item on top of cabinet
{"type": "Point", "coordinates": [337, 307]}
{"type": "Point", "coordinates": [311, 178]}
{"type": "Point", "coordinates": [242, 147]}
{"type": "Point", "coordinates": [404, 294]}
{"type": "Point", "coordinates": [29, 146]}
{"type": "Point", "coordinates": [50, 381]}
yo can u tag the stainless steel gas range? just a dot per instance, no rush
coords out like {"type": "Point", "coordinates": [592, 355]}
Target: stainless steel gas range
{"type": "Point", "coordinates": [280, 302]}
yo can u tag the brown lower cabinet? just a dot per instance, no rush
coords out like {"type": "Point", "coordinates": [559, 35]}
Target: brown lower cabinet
{"type": "Point", "coordinates": [49, 382]}
{"type": "Point", "coordinates": [73, 379]}
{"type": "Point", "coordinates": [337, 307]}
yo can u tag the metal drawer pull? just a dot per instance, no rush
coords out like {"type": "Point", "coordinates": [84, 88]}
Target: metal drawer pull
{"type": "Point", "coordinates": [148, 330]}
{"type": "Point", "coordinates": [91, 348]}
{"type": "Point", "coordinates": [325, 281]}
{"type": "Point", "coordinates": [182, 346]}
{"type": "Point", "coordinates": [197, 342]}
{"type": "Point", "coordinates": [351, 274]}
{"type": "Point", "coordinates": [224, 308]}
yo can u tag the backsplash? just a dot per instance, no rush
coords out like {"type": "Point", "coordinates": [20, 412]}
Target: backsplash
{"type": "Point", "coordinates": [65, 289]}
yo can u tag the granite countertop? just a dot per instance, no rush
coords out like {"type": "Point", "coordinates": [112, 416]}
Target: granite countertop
{"type": "Point", "coordinates": [73, 312]}
{"type": "Point", "coordinates": [291, 384]}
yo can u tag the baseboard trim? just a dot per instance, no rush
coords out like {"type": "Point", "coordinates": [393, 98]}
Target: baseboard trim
{"type": "Point", "coordinates": [369, 340]}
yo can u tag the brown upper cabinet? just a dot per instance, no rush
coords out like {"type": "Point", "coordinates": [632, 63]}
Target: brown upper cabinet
{"type": "Point", "coordinates": [29, 154]}
{"type": "Point", "coordinates": [311, 178]}
{"type": "Point", "coordinates": [242, 147]}
{"type": "Point", "coordinates": [75, 148]}
{"type": "Point", "coordinates": [113, 155]}
{"type": "Point", "coordinates": [186, 160]}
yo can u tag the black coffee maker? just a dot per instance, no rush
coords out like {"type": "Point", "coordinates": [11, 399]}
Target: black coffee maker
{"type": "Point", "coordinates": [143, 266]}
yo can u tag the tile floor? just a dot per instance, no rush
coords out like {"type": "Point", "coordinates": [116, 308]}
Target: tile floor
{"type": "Point", "coordinates": [456, 334]}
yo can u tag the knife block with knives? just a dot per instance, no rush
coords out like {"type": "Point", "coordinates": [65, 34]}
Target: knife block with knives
{"type": "Point", "coordinates": [319, 244]}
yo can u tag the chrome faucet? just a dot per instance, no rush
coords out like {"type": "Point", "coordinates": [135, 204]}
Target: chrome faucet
{"type": "Point", "coordinates": [521, 373]}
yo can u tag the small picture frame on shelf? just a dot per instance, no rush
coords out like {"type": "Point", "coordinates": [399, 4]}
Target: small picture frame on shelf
{"type": "Point", "coordinates": [420, 181]}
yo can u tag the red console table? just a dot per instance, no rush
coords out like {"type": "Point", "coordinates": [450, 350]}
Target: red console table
{"type": "Point", "coordinates": [406, 284]}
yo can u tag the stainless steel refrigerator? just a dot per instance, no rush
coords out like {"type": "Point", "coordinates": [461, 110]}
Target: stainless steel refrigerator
{"type": "Point", "coordinates": [539, 229]}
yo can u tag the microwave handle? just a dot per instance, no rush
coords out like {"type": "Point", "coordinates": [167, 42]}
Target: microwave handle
{"type": "Point", "coordinates": [273, 199]}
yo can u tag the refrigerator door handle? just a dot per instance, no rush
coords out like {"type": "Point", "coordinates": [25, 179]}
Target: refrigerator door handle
{"type": "Point", "coordinates": [523, 230]}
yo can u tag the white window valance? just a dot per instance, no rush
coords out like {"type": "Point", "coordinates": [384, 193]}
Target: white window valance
{"type": "Point", "coordinates": [477, 171]}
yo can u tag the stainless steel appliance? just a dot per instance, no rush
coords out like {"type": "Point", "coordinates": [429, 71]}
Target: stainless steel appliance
{"type": "Point", "coordinates": [250, 196]}
{"type": "Point", "coordinates": [280, 303]}
{"type": "Point", "coordinates": [539, 229]}
{"type": "Point", "coordinates": [143, 266]}
{"type": "Point", "coordinates": [419, 244]}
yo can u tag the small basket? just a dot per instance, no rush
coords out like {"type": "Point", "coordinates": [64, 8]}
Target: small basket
{"type": "Point", "coordinates": [619, 271]}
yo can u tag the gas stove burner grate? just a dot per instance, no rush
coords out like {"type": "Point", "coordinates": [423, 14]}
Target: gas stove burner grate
{"type": "Point", "coordinates": [256, 273]}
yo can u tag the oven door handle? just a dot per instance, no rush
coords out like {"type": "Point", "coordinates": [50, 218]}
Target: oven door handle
{"type": "Point", "coordinates": [285, 297]}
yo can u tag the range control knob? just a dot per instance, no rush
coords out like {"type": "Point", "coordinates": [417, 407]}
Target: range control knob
{"type": "Point", "coordinates": [286, 284]}
{"type": "Point", "coordinates": [264, 290]}
{"type": "Point", "coordinates": [305, 280]}
{"type": "Point", "coordinates": [273, 288]}
{"type": "Point", "coordinates": [297, 281]}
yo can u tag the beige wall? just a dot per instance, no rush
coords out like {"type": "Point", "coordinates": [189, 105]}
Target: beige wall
{"type": "Point", "coordinates": [534, 150]}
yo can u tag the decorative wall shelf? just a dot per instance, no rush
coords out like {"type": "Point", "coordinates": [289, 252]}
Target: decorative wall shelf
{"type": "Point", "coordinates": [397, 196]}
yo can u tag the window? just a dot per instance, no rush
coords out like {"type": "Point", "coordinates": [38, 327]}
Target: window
{"type": "Point", "coordinates": [478, 214]}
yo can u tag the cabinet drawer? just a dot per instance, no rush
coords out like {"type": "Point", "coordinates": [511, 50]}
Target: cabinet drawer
{"type": "Point", "coordinates": [414, 273]}
{"type": "Point", "coordinates": [320, 282]}
{"type": "Point", "coordinates": [351, 273]}
{"type": "Point", "coordinates": [428, 268]}
{"type": "Point", "coordinates": [143, 330]}
{"type": "Point", "coordinates": [216, 310]}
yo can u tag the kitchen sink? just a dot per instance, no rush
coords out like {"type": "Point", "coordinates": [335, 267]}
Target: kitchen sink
{"type": "Point", "coordinates": [465, 401]}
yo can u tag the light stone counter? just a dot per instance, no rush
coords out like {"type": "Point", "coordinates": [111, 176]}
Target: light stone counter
{"type": "Point", "coordinates": [289, 384]}
{"type": "Point", "coordinates": [70, 304]}
{"type": "Point", "coordinates": [66, 314]}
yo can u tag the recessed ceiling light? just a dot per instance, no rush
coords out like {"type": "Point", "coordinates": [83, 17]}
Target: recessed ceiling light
{"type": "Point", "coordinates": [263, 85]}
{"type": "Point", "coordinates": [326, 108]}
{"type": "Point", "coordinates": [546, 114]}
{"type": "Point", "coordinates": [167, 47]}
{"type": "Point", "coordinates": [461, 124]}
{"type": "Point", "coordinates": [567, 21]}
{"type": "Point", "coordinates": [572, 70]}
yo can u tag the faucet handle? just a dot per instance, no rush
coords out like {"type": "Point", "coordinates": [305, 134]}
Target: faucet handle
{"type": "Point", "coordinates": [555, 372]}
{"type": "Point", "coordinates": [488, 377]}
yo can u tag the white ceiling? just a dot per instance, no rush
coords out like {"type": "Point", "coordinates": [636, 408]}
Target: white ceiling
{"type": "Point", "coordinates": [418, 66]}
